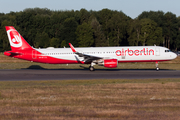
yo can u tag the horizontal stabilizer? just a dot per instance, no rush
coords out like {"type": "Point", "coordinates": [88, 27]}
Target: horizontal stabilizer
{"type": "Point", "coordinates": [9, 53]}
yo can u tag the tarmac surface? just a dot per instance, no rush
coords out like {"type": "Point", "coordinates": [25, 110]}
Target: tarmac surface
{"type": "Point", "coordinates": [79, 74]}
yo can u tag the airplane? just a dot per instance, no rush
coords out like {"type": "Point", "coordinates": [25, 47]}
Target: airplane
{"type": "Point", "coordinates": [103, 56]}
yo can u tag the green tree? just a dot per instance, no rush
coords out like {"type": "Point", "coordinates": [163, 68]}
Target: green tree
{"type": "Point", "coordinates": [110, 28]}
{"type": "Point", "coordinates": [68, 31]}
{"type": "Point", "coordinates": [54, 42]}
{"type": "Point", "coordinates": [63, 43]}
{"type": "Point", "coordinates": [42, 40]}
{"type": "Point", "coordinates": [99, 37]}
{"type": "Point", "coordinates": [177, 41]}
{"type": "Point", "coordinates": [84, 16]}
{"type": "Point", "coordinates": [134, 31]}
{"type": "Point", "coordinates": [170, 29]}
{"type": "Point", "coordinates": [156, 16]}
{"type": "Point", "coordinates": [168, 23]}
{"type": "Point", "coordinates": [117, 26]}
{"type": "Point", "coordinates": [104, 16]}
{"type": "Point", "coordinates": [150, 33]}
{"type": "Point", "coordinates": [84, 34]}
{"type": "Point", "coordinates": [4, 42]}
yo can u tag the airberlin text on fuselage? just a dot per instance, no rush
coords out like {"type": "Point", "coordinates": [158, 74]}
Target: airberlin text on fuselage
{"type": "Point", "coordinates": [144, 51]}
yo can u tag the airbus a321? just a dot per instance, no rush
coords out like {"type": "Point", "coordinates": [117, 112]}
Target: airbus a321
{"type": "Point", "coordinates": [104, 56]}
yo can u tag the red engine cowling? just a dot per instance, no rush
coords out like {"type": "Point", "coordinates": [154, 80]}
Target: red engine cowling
{"type": "Point", "coordinates": [111, 63]}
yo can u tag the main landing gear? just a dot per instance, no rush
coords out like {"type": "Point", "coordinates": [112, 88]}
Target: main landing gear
{"type": "Point", "coordinates": [157, 68]}
{"type": "Point", "coordinates": [91, 68]}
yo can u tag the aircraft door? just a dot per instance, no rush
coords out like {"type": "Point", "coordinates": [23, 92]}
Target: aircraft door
{"type": "Point", "coordinates": [34, 54]}
{"type": "Point", "coordinates": [157, 51]}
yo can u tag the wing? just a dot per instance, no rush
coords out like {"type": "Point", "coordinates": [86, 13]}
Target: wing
{"type": "Point", "coordinates": [87, 58]}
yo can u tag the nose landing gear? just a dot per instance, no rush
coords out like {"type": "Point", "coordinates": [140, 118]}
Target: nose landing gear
{"type": "Point", "coordinates": [157, 68]}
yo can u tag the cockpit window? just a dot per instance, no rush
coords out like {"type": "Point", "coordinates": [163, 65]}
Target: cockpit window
{"type": "Point", "coordinates": [167, 51]}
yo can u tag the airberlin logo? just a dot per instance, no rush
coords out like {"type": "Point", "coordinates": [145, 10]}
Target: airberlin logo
{"type": "Point", "coordinates": [144, 51]}
{"type": "Point", "coordinates": [14, 38]}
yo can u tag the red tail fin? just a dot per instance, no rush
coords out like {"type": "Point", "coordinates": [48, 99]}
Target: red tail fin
{"type": "Point", "coordinates": [16, 41]}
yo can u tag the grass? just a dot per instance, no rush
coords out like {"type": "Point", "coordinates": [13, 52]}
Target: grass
{"type": "Point", "coordinates": [90, 99]}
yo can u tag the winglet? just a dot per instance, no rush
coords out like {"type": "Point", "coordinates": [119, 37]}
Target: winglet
{"type": "Point", "coordinates": [72, 47]}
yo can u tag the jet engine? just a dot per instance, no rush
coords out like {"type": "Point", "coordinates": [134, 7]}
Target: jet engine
{"type": "Point", "coordinates": [109, 63]}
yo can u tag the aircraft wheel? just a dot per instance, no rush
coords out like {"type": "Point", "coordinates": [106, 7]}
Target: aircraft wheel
{"type": "Point", "coordinates": [91, 68]}
{"type": "Point", "coordinates": [157, 69]}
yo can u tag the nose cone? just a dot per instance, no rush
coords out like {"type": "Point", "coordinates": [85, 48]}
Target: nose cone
{"type": "Point", "coordinates": [173, 55]}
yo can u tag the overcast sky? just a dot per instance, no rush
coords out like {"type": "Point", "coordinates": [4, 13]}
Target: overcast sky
{"type": "Point", "coordinates": [131, 8]}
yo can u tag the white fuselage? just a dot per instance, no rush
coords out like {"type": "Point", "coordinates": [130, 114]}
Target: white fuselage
{"type": "Point", "coordinates": [122, 54]}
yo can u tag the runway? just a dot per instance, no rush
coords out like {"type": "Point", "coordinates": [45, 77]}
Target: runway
{"type": "Point", "coordinates": [76, 74]}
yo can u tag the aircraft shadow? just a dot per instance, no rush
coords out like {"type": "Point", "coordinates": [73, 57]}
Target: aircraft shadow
{"type": "Point", "coordinates": [35, 67]}
{"type": "Point", "coordinates": [38, 67]}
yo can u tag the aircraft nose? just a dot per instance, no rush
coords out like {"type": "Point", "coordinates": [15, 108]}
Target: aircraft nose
{"type": "Point", "coordinates": [174, 55]}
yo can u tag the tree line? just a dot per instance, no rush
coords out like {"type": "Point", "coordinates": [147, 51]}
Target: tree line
{"type": "Point", "coordinates": [43, 28]}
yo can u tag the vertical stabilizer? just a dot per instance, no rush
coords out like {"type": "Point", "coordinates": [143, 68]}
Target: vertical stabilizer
{"type": "Point", "coordinates": [16, 41]}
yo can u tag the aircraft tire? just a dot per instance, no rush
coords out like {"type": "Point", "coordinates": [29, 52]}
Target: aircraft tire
{"type": "Point", "coordinates": [157, 69]}
{"type": "Point", "coordinates": [91, 68]}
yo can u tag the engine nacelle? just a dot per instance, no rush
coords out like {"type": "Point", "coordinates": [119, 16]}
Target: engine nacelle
{"type": "Point", "coordinates": [111, 63]}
